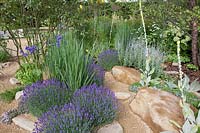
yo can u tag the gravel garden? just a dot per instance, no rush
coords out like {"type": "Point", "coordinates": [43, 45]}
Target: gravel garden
{"type": "Point", "coordinates": [99, 66]}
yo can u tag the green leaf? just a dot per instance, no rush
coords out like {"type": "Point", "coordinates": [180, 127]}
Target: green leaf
{"type": "Point", "coordinates": [198, 118]}
{"type": "Point", "coordinates": [187, 127]}
{"type": "Point", "coordinates": [176, 39]}
{"type": "Point", "coordinates": [194, 86]}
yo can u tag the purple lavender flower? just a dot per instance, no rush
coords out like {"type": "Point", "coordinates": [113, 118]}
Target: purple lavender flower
{"type": "Point", "coordinates": [40, 96]}
{"type": "Point", "coordinates": [6, 117]}
{"type": "Point", "coordinates": [23, 53]}
{"type": "Point", "coordinates": [31, 49]}
{"type": "Point", "coordinates": [107, 59]}
{"type": "Point", "coordinates": [97, 72]}
{"type": "Point", "coordinates": [68, 119]}
{"type": "Point", "coordinates": [98, 101]}
{"type": "Point", "coordinates": [58, 40]}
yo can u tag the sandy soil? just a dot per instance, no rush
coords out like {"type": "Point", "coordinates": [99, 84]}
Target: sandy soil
{"type": "Point", "coordinates": [5, 85]}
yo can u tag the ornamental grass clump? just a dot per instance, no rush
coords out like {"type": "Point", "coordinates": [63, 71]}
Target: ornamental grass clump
{"type": "Point", "coordinates": [66, 61]}
{"type": "Point", "coordinates": [68, 119]}
{"type": "Point", "coordinates": [42, 95]}
{"type": "Point", "coordinates": [108, 58]}
{"type": "Point", "coordinates": [98, 101]}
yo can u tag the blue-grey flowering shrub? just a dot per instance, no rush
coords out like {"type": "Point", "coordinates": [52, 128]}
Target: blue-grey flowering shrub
{"type": "Point", "coordinates": [97, 72]}
{"type": "Point", "coordinates": [98, 101]}
{"type": "Point", "coordinates": [108, 58]}
{"type": "Point", "coordinates": [42, 95]}
{"type": "Point", "coordinates": [68, 119]}
{"type": "Point", "coordinates": [90, 106]}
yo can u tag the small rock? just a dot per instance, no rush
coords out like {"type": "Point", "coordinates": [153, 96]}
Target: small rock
{"type": "Point", "coordinates": [18, 95]}
{"type": "Point", "coordinates": [23, 123]}
{"type": "Point", "coordinates": [122, 95]}
{"type": "Point", "coordinates": [6, 64]}
{"type": "Point", "coordinates": [14, 81]}
{"type": "Point", "coordinates": [175, 64]}
{"type": "Point", "coordinates": [115, 127]}
{"type": "Point", "coordinates": [172, 72]}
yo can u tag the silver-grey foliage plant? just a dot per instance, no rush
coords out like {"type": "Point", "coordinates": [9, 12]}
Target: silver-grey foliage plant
{"type": "Point", "coordinates": [134, 55]}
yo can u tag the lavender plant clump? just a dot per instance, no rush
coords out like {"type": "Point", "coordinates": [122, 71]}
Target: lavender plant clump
{"type": "Point", "coordinates": [90, 106]}
{"type": "Point", "coordinates": [6, 117]}
{"type": "Point", "coordinates": [97, 72]}
{"type": "Point", "coordinates": [68, 119]}
{"type": "Point", "coordinates": [107, 59]}
{"type": "Point", "coordinates": [42, 95]}
{"type": "Point", "coordinates": [98, 101]}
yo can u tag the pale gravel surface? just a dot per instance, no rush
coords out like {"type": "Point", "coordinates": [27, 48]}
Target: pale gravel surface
{"type": "Point", "coordinates": [5, 85]}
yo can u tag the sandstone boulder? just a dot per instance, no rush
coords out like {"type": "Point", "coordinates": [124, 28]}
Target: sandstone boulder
{"type": "Point", "coordinates": [114, 127]}
{"type": "Point", "coordinates": [156, 108]}
{"type": "Point", "coordinates": [126, 75]}
{"type": "Point", "coordinates": [122, 95]}
{"type": "Point", "coordinates": [116, 86]}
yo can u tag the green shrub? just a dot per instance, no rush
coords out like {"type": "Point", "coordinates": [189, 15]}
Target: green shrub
{"type": "Point", "coordinates": [96, 32]}
{"type": "Point", "coordinates": [4, 56]}
{"type": "Point", "coordinates": [67, 62]}
{"type": "Point", "coordinates": [173, 58]}
{"type": "Point", "coordinates": [28, 74]}
{"type": "Point", "coordinates": [192, 67]}
{"type": "Point", "coordinates": [9, 95]}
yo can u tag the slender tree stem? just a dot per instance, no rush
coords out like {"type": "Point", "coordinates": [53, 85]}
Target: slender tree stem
{"type": "Point", "coordinates": [144, 28]}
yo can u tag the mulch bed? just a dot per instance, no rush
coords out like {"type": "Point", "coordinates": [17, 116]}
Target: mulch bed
{"type": "Point", "coordinates": [193, 75]}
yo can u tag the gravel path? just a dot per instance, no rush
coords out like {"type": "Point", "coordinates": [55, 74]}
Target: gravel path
{"type": "Point", "coordinates": [5, 85]}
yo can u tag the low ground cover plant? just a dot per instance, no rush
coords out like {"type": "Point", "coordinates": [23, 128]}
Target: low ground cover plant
{"type": "Point", "coordinates": [90, 106]}
{"type": "Point", "coordinates": [9, 95]}
{"type": "Point", "coordinates": [39, 97]}
{"type": "Point", "coordinates": [28, 73]}
{"type": "Point", "coordinates": [4, 56]}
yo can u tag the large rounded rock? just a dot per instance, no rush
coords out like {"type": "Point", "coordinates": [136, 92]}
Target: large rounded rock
{"type": "Point", "coordinates": [156, 108]}
{"type": "Point", "coordinates": [126, 75]}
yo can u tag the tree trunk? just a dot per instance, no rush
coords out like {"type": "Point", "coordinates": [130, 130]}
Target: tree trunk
{"type": "Point", "coordinates": [194, 28]}
{"type": "Point", "coordinates": [195, 43]}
